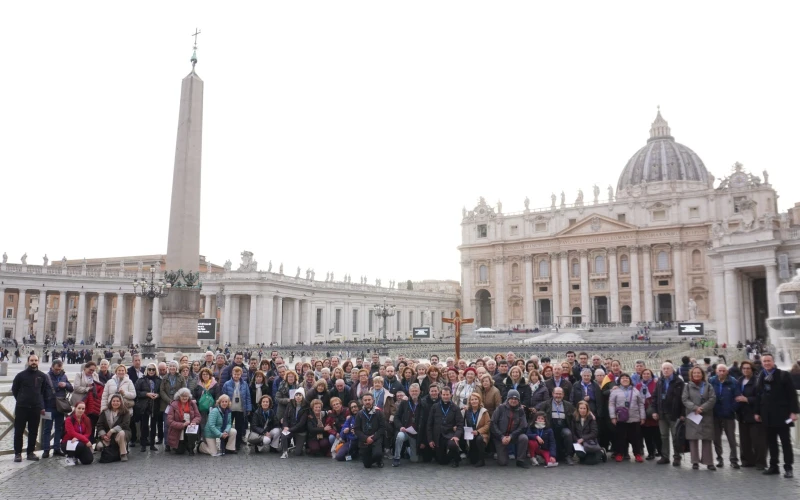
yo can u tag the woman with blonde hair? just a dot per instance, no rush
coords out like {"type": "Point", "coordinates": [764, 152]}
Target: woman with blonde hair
{"type": "Point", "coordinates": [219, 426]}
{"type": "Point", "coordinates": [114, 427]}
{"type": "Point", "coordinates": [122, 385]}
{"type": "Point", "coordinates": [477, 418]}
{"type": "Point", "coordinates": [699, 398]}
{"type": "Point", "coordinates": [285, 391]}
{"type": "Point", "coordinates": [490, 395]}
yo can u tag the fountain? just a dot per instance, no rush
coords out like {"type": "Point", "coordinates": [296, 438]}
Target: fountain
{"type": "Point", "coordinates": [784, 330]}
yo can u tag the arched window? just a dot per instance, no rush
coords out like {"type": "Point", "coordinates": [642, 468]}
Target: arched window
{"type": "Point", "coordinates": [514, 271]}
{"type": "Point", "coordinates": [626, 314]}
{"type": "Point", "coordinates": [483, 273]}
{"type": "Point", "coordinates": [576, 268]}
{"type": "Point", "coordinates": [697, 260]}
{"type": "Point", "coordinates": [544, 269]}
{"type": "Point", "coordinates": [662, 263]}
{"type": "Point", "coordinates": [576, 316]}
{"type": "Point", "coordinates": [624, 265]}
{"type": "Point", "coordinates": [599, 264]}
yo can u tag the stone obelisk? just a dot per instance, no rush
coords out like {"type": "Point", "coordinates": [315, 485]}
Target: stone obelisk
{"type": "Point", "coordinates": [180, 309]}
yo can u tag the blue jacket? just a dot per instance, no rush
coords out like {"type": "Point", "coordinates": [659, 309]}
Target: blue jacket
{"type": "Point", "coordinates": [226, 374]}
{"type": "Point", "coordinates": [244, 392]}
{"type": "Point", "coordinates": [726, 397]}
{"type": "Point", "coordinates": [350, 423]}
{"type": "Point", "coordinates": [57, 391]}
{"type": "Point", "coordinates": [213, 428]}
{"type": "Point", "coordinates": [548, 437]}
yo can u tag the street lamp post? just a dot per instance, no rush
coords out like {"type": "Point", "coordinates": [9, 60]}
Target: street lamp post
{"type": "Point", "coordinates": [150, 291]}
{"type": "Point", "coordinates": [384, 311]}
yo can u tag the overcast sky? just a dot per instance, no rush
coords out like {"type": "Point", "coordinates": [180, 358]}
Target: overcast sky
{"type": "Point", "coordinates": [346, 136]}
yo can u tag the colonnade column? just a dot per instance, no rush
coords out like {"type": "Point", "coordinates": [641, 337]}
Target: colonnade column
{"type": "Point", "coordinates": [732, 305]}
{"type": "Point", "coordinates": [137, 321]}
{"type": "Point", "coordinates": [119, 320]}
{"type": "Point", "coordinates": [22, 311]}
{"type": "Point", "coordinates": [720, 313]}
{"type": "Point", "coordinates": [585, 302]}
{"type": "Point", "coordinates": [207, 312]}
{"type": "Point", "coordinates": [772, 286]}
{"type": "Point", "coordinates": [266, 327]}
{"type": "Point", "coordinates": [565, 309]}
{"type": "Point", "coordinates": [530, 319]}
{"type": "Point", "coordinates": [100, 329]}
{"type": "Point", "coordinates": [614, 281]}
{"type": "Point", "coordinates": [680, 289]}
{"type": "Point", "coordinates": [310, 318]}
{"type": "Point", "coordinates": [499, 289]}
{"type": "Point", "coordinates": [156, 318]}
{"type": "Point", "coordinates": [235, 310]}
{"type": "Point", "coordinates": [40, 327]}
{"type": "Point", "coordinates": [296, 322]}
{"type": "Point", "coordinates": [251, 333]}
{"type": "Point", "coordinates": [555, 306]}
{"type": "Point", "coordinates": [80, 331]}
{"type": "Point", "coordinates": [747, 306]}
{"type": "Point", "coordinates": [225, 334]}
{"type": "Point", "coordinates": [279, 320]}
{"type": "Point", "coordinates": [636, 296]}
{"type": "Point", "coordinates": [61, 319]}
{"type": "Point", "coordinates": [647, 256]}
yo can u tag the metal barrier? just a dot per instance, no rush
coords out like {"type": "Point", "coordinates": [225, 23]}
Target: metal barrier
{"type": "Point", "coordinates": [9, 432]}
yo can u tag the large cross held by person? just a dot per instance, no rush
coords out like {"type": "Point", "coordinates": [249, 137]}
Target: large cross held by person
{"type": "Point", "coordinates": [457, 320]}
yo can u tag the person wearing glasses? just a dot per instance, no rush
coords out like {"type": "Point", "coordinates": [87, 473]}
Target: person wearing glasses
{"type": "Point", "coordinates": [147, 406]}
{"type": "Point", "coordinates": [84, 382]}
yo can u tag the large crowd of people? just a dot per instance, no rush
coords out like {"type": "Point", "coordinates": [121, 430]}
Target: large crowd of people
{"type": "Point", "coordinates": [583, 409]}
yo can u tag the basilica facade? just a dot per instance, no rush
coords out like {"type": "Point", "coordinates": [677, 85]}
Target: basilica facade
{"type": "Point", "coordinates": [668, 243]}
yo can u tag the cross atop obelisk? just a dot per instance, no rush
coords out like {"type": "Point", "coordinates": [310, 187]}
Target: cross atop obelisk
{"type": "Point", "coordinates": [194, 49]}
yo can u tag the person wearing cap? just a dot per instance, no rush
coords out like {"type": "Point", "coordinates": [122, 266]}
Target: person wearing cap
{"type": "Point", "coordinates": [370, 429]}
{"type": "Point", "coordinates": [559, 413]}
{"type": "Point", "coordinates": [508, 431]}
{"type": "Point", "coordinates": [294, 422]}
{"type": "Point", "coordinates": [445, 429]}
{"type": "Point", "coordinates": [465, 388]}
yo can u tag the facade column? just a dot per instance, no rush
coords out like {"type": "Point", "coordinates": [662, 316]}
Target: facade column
{"type": "Point", "coordinates": [267, 303]}
{"type": "Point", "coordinates": [636, 298]}
{"type": "Point", "coordinates": [137, 320]}
{"type": "Point", "coordinates": [80, 331]}
{"type": "Point", "coordinates": [720, 313]}
{"type": "Point", "coordinates": [614, 281]}
{"type": "Point", "coordinates": [647, 256]}
{"type": "Point", "coordinates": [310, 319]}
{"type": "Point", "coordinates": [279, 321]}
{"type": "Point", "coordinates": [296, 321]}
{"type": "Point", "coordinates": [747, 307]}
{"type": "Point", "coordinates": [41, 327]}
{"type": "Point", "coordinates": [21, 312]}
{"type": "Point", "coordinates": [119, 320]}
{"type": "Point", "coordinates": [565, 309]}
{"type": "Point", "coordinates": [680, 313]}
{"type": "Point", "coordinates": [207, 312]}
{"type": "Point", "coordinates": [61, 318]}
{"type": "Point", "coordinates": [772, 286]}
{"type": "Point", "coordinates": [100, 329]}
{"type": "Point", "coordinates": [586, 304]}
{"type": "Point", "coordinates": [156, 321]}
{"type": "Point", "coordinates": [555, 305]}
{"type": "Point", "coordinates": [235, 310]}
{"type": "Point", "coordinates": [499, 289]}
{"type": "Point", "coordinates": [251, 333]}
{"type": "Point", "coordinates": [225, 332]}
{"type": "Point", "coordinates": [530, 319]}
{"type": "Point", "coordinates": [732, 306]}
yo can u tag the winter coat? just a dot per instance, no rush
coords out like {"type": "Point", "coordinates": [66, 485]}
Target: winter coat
{"type": "Point", "coordinates": [214, 428]}
{"type": "Point", "coordinates": [635, 403]}
{"type": "Point", "coordinates": [425, 385]}
{"type": "Point", "coordinates": [426, 406]}
{"type": "Point", "coordinates": [547, 409]}
{"type": "Point", "coordinates": [508, 421]}
{"type": "Point", "coordinates": [282, 397]}
{"type": "Point", "coordinates": [481, 425]}
{"type": "Point", "coordinates": [350, 423]}
{"type": "Point", "coordinates": [746, 412]}
{"type": "Point", "coordinates": [93, 398]}
{"type": "Point", "coordinates": [261, 422]}
{"type": "Point", "coordinates": [316, 427]}
{"type": "Point", "coordinates": [57, 392]}
{"type": "Point", "coordinates": [503, 383]}
{"type": "Point", "coordinates": [463, 392]}
{"type": "Point", "coordinates": [344, 396]}
{"type": "Point", "coordinates": [668, 402]}
{"type": "Point", "coordinates": [80, 386]}
{"type": "Point", "coordinates": [336, 420]}
{"type": "Point", "coordinates": [778, 398]}
{"type": "Point", "coordinates": [565, 384]}
{"type": "Point", "coordinates": [727, 392]}
{"type": "Point", "coordinates": [648, 390]}
{"type": "Point", "coordinates": [145, 405]}
{"type": "Point", "coordinates": [445, 422]}
{"type": "Point", "coordinates": [702, 396]}
{"type": "Point", "coordinates": [539, 396]}
{"type": "Point", "coordinates": [175, 420]}
{"type": "Point", "coordinates": [405, 417]}
{"type": "Point", "coordinates": [113, 386]}
{"type": "Point", "coordinates": [588, 431]}
{"type": "Point", "coordinates": [244, 392]}
{"type": "Point", "coordinates": [491, 399]}
{"type": "Point", "coordinates": [167, 391]}
{"type": "Point", "coordinates": [547, 436]}
{"type": "Point", "coordinates": [313, 394]}
{"type": "Point", "coordinates": [371, 424]}
{"type": "Point", "coordinates": [71, 424]}
{"type": "Point", "coordinates": [296, 418]}
{"type": "Point", "coordinates": [596, 404]}
{"type": "Point", "coordinates": [226, 374]}
{"type": "Point", "coordinates": [121, 423]}
{"type": "Point", "coordinates": [524, 390]}
{"type": "Point", "coordinates": [213, 389]}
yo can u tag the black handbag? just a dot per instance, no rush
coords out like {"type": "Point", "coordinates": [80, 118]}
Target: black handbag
{"type": "Point", "coordinates": [63, 405]}
{"type": "Point", "coordinates": [110, 453]}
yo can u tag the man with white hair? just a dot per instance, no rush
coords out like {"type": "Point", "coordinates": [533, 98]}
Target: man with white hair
{"type": "Point", "coordinates": [667, 408]}
{"type": "Point", "coordinates": [209, 361]}
{"type": "Point", "coordinates": [511, 357]}
{"type": "Point", "coordinates": [725, 413]}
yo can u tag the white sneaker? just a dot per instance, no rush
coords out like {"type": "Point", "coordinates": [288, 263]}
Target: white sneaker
{"type": "Point", "coordinates": [285, 454]}
{"type": "Point", "coordinates": [463, 456]}
{"type": "Point", "coordinates": [511, 456]}
{"type": "Point", "coordinates": [217, 454]}
{"type": "Point", "coordinates": [69, 461]}
{"type": "Point", "coordinates": [552, 464]}
{"type": "Point", "coordinates": [534, 462]}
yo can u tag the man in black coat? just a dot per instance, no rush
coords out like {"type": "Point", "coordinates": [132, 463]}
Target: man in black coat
{"type": "Point", "coordinates": [425, 407]}
{"type": "Point", "coordinates": [501, 380]}
{"type": "Point", "coordinates": [31, 388]}
{"type": "Point", "coordinates": [370, 429]}
{"type": "Point", "coordinates": [777, 409]}
{"type": "Point", "coordinates": [445, 429]}
{"type": "Point", "coordinates": [667, 408]}
{"type": "Point", "coordinates": [407, 415]}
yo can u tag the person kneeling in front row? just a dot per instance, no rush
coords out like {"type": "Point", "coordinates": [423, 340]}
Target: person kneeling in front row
{"type": "Point", "coordinates": [370, 429]}
{"type": "Point", "coordinates": [219, 426]}
{"type": "Point", "coordinates": [77, 430]}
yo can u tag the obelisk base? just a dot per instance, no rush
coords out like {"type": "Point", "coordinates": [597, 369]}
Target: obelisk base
{"type": "Point", "coordinates": [179, 313]}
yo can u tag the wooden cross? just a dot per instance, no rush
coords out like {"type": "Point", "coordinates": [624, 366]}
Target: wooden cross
{"type": "Point", "coordinates": [458, 321]}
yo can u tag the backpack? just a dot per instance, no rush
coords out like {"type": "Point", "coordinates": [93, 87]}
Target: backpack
{"type": "Point", "coordinates": [205, 402]}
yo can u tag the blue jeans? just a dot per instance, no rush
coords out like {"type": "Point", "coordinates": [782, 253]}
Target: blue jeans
{"type": "Point", "coordinates": [412, 446]}
{"type": "Point", "coordinates": [58, 419]}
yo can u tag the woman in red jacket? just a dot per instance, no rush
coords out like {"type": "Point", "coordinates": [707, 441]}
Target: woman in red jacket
{"type": "Point", "coordinates": [77, 429]}
{"type": "Point", "coordinates": [92, 400]}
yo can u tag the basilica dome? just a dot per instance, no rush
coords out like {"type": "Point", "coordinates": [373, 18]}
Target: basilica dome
{"type": "Point", "coordinates": [662, 159]}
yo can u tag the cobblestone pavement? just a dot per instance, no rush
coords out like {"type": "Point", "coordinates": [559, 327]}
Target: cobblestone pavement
{"type": "Point", "coordinates": [244, 476]}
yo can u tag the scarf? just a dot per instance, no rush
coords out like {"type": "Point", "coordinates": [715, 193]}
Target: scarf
{"type": "Point", "coordinates": [225, 415]}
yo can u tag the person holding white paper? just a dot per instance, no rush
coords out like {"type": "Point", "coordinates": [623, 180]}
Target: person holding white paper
{"type": "Point", "coordinates": [183, 413]}
{"type": "Point", "coordinates": [699, 398]}
{"type": "Point", "coordinates": [476, 417]}
{"type": "Point", "coordinates": [408, 415]}
{"type": "Point", "coordinates": [77, 430]}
